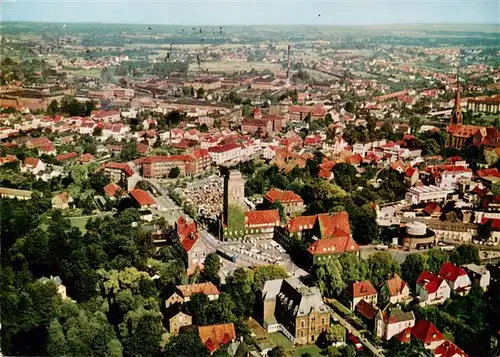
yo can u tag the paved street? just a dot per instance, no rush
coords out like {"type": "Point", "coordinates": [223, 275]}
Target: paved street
{"type": "Point", "coordinates": [373, 349]}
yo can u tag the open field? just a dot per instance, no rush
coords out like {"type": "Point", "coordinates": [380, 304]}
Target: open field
{"type": "Point", "coordinates": [80, 223]}
{"type": "Point", "coordinates": [235, 66]}
{"type": "Point", "coordinates": [94, 72]}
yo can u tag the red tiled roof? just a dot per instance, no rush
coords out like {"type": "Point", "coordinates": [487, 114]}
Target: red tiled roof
{"type": "Point", "coordinates": [267, 217]}
{"type": "Point", "coordinates": [31, 161]}
{"type": "Point", "coordinates": [451, 272]}
{"type": "Point", "coordinates": [66, 156]}
{"type": "Point", "coordinates": [411, 171]}
{"type": "Point", "coordinates": [111, 189]}
{"type": "Point", "coordinates": [185, 229]}
{"type": "Point", "coordinates": [334, 224]}
{"type": "Point", "coordinates": [214, 336]}
{"type": "Point", "coordinates": [432, 208]}
{"type": "Point", "coordinates": [119, 166]}
{"type": "Point", "coordinates": [395, 285]}
{"type": "Point", "coordinates": [335, 245]}
{"type": "Point", "coordinates": [429, 281]}
{"type": "Point", "coordinates": [224, 148]}
{"type": "Point", "coordinates": [426, 332]}
{"type": "Point", "coordinates": [449, 349]}
{"type": "Point", "coordinates": [361, 289]}
{"type": "Point", "coordinates": [86, 157]}
{"type": "Point", "coordinates": [202, 288]}
{"type": "Point", "coordinates": [299, 223]}
{"type": "Point", "coordinates": [201, 153]}
{"type": "Point", "coordinates": [282, 196]}
{"type": "Point", "coordinates": [366, 309]}
{"type": "Point", "coordinates": [142, 148]}
{"type": "Point", "coordinates": [142, 197]}
{"type": "Point", "coordinates": [404, 336]}
{"type": "Point", "coordinates": [488, 172]}
{"type": "Point", "coordinates": [495, 222]}
{"type": "Point", "coordinates": [355, 159]}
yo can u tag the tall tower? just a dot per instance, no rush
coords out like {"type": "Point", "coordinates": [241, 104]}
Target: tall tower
{"type": "Point", "coordinates": [234, 192]}
{"type": "Point", "coordinates": [288, 64]}
{"type": "Point", "coordinates": [456, 115]}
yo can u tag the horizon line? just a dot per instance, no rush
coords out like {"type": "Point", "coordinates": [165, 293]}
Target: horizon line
{"type": "Point", "coordinates": [249, 25]}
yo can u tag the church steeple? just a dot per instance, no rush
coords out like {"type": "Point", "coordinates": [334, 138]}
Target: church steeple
{"type": "Point", "coordinates": [456, 115]}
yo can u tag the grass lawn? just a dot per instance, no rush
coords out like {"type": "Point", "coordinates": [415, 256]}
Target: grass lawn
{"type": "Point", "coordinates": [312, 350]}
{"type": "Point", "coordinates": [281, 340]}
{"type": "Point", "coordinates": [80, 223]}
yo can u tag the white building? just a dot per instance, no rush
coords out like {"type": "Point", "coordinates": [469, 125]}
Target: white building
{"type": "Point", "coordinates": [432, 289]}
{"type": "Point", "coordinates": [225, 153]}
{"type": "Point", "coordinates": [392, 321]}
{"type": "Point", "coordinates": [451, 178]}
{"type": "Point", "coordinates": [456, 277]}
{"type": "Point", "coordinates": [32, 165]}
{"type": "Point", "coordinates": [479, 275]}
{"type": "Point", "coordinates": [430, 193]}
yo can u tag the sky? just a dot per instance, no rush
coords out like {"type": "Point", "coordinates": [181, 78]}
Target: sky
{"type": "Point", "coordinates": [255, 12]}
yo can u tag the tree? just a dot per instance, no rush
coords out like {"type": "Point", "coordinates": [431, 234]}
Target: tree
{"type": "Point", "coordinates": [348, 351]}
{"type": "Point", "coordinates": [186, 345]}
{"type": "Point", "coordinates": [78, 174]}
{"type": "Point", "coordinates": [484, 230]}
{"type": "Point", "coordinates": [268, 272]}
{"type": "Point", "coordinates": [203, 128]}
{"type": "Point", "coordinates": [198, 308]}
{"type": "Point", "coordinates": [328, 277]}
{"type": "Point", "coordinates": [381, 266]}
{"type": "Point", "coordinates": [98, 181]}
{"type": "Point", "coordinates": [335, 333]}
{"type": "Point", "coordinates": [354, 268]}
{"type": "Point", "coordinates": [200, 93]}
{"type": "Point", "coordinates": [53, 108]}
{"type": "Point", "coordinates": [277, 351]}
{"type": "Point", "coordinates": [174, 172]}
{"type": "Point", "coordinates": [465, 254]}
{"type": "Point", "coordinates": [129, 152]}
{"type": "Point", "coordinates": [56, 345]}
{"type": "Point", "coordinates": [281, 210]}
{"type": "Point", "coordinates": [212, 266]}
{"type": "Point", "coordinates": [411, 268]}
{"type": "Point", "coordinates": [434, 260]}
{"type": "Point", "coordinates": [350, 107]}
{"type": "Point", "coordinates": [141, 332]}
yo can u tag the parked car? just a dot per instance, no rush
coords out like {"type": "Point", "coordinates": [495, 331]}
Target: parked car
{"type": "Point", "coordinates": [355, 341]}
{"type": "Point", "coordinates": [381, 247]}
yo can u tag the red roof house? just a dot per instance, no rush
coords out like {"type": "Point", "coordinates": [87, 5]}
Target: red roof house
{"type": "Point", "coordinates": [142, 198]}
{"type": "Point", "coordinates": [67, 156]}
{"type": "Point", "coordinates": [215, 336]}
{"type": "Point", "coordinates": [448, 349]}
{"type": "Point", "coordinates": [428, 334]}
{"type": "Point", "coordinates": [456, 277]}
{"type": "Point", "coordinates": [111, 189]}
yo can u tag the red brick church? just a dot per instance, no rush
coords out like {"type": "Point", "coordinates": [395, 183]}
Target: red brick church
{"type": "Point", "coordinates": [460, 135]}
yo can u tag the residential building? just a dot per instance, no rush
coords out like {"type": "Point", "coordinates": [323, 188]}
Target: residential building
{"type": "Point", "coordinates": [61, 289]}
{"type": "Point", "coordinates": [177, 321]}
{"type": "Point", "coordinates": [61, 201]}
{"type": "Point", "coordinates": [215, 336]}
{"type": "Point", "coordinates": [117, 172]}
{"type": "Point", "coordinates": [111, 190]}
{"type": "Point", "coordinates": [392, 321]}
{"type": "Point", "coordinates": [431, 289]}
{"type": "Point", "coordinates": [394, 291]}
{"type": "Point", "coordinates": [13, 193]}
{"type": "Point", "coordinates": [292, 203]}
{"type": "Point", "coordinates": [426, 332]}
{"type": "Point", "coordinates": [361, 290]}
{"type": "Point", "coordinates": [224, 153]}
{"type": "Point", "coordinates": [67, 157]}
{"type": "Point", "coordinates": [32, 165]}
{"type": "Point", "coordinates": [456, 277]}
{"type": "Point", "coordinates": [183, 293]}
{"type": "Point", "coordinates": [188, 165]}
{"type": "Point", "coordinates": [106, 116]}
{"type": "Point", "coordinates": [451, 177]}
{"type": "Point", "coordinates": [449, 349]}
{"type": "Point", "coordinates": [294, 309]}
{"type": "Point", "coordinates": [195, 249]}
{"type": "Point", "coordinates": [479, 275]}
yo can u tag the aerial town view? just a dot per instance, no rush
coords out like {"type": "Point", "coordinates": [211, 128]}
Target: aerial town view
{"type": "Point", "coordinates": [250, 179]}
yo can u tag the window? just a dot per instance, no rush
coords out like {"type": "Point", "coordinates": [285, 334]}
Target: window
{"type": "Point", "coordinates": [301, 333]}
{"type": "Point", "coordinates": [322, 320]}
{"type": "Point", "coordinates": [302, 324]}
{"type": "Point", "coordinates": [312, 338]}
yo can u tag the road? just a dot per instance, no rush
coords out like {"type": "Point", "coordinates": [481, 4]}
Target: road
{"type": "Point", "coordinates": [373, 349]}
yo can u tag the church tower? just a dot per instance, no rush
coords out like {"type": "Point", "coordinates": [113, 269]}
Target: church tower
{"type": "Point", "coordinates": [456, 115]}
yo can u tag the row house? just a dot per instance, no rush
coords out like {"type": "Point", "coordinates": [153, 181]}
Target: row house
{"type": "Point", "coordinates": [106, 116]}
{"type": "Point", "coordinates": [184, 293]}
{"type": "Point", "coordinates": [161, 166]}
